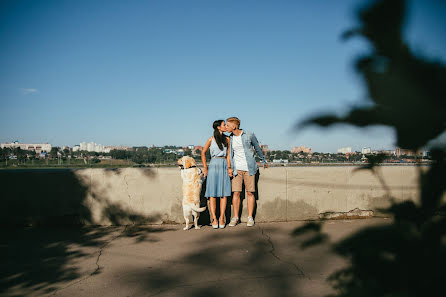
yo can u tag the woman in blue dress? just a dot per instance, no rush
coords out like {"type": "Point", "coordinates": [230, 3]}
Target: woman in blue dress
{"type": "Point", "coordinates": [218, 181]}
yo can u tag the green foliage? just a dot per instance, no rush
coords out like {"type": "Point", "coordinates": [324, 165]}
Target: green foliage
{"type": "Point", "coordinates": [188, 152]}
{"type": "Point", "coordinates": [406, 257]}
{"type": "Point", "coordinates": [142, 155]}
{"type": "Point", "coordinates": [54, 151]}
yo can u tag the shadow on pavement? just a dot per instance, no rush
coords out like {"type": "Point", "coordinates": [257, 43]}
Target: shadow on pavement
{"type": "Point", "coordinates": [234, 263]}
{"type": "Point", "coordinates": [43, 233]}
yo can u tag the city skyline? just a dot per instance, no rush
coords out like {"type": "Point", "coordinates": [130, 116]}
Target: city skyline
{"type": "Point", "coordinates": [160, 73]}
{"type": "Point", "coordinates": [93, 146]}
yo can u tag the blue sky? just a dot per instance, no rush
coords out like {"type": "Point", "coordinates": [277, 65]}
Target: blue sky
{"type": "Point", "coordinates": [160, 72]}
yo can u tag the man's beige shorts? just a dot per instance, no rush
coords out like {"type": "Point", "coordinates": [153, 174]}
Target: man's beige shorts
{"type": "Point", "coordinates": [243, 176]}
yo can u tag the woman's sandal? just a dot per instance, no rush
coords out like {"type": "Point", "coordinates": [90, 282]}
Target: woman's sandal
{"type": "Point", "coordinates": [222, 226]}
{"type": "Point", "coordinates": [216, 225]}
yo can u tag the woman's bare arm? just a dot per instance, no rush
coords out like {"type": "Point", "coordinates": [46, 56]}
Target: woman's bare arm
{"type": "Point", "coordinates": [203, 156]}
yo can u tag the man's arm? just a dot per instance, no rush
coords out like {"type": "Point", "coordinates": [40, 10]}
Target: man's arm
{"type": "Point", "coordinates": [256, 145]}
{"type": "Point", "coordinates": [228, 156]}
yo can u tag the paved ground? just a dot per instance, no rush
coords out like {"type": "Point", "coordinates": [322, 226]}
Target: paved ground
{"type": "Point", "coordinates": [264, 260]}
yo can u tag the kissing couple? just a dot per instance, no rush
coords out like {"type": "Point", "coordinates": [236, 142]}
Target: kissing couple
{"type": "Point", "coordinates": [232, 164]}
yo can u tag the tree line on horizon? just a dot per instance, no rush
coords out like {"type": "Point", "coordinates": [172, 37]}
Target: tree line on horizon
{"type": "Point", "coordinates": [157, 155]}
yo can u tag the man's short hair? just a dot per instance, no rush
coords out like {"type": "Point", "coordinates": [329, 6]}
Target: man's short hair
{"type": "Point", "coordinates": [234, 120]}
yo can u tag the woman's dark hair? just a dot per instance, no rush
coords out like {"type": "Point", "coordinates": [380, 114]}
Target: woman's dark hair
{"type": "Point", "coordinates": [220, 139]}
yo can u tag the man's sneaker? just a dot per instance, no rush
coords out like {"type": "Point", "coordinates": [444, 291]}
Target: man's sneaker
{"type": "Point", "coordinates": [250, 222]}
{"type": "Point", "coordinates": [234, 221]}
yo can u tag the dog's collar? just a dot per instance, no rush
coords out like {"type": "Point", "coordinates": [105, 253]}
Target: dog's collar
{"type": "Point", "coordinates": [189, 167]}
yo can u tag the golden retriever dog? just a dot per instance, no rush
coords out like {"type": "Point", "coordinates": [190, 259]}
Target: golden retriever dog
{"type": "Point", "coordinates": [192, 182]}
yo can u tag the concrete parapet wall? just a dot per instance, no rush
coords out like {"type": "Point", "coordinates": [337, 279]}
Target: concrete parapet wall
{"type": "Point", "coordinates": [153, 195]}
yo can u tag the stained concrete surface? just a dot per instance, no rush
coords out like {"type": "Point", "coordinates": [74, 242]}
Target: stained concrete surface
{"type": "Point", "coordinates": [153, 195]}
{"type": "Point", "coordinates": [164, 260]}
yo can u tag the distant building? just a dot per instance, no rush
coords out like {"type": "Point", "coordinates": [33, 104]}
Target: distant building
{"type": "Point", "coordinates": [76, 148]}
{"type": "Point", "coordinates": [366, 150]}
{"type": "Point", "coordinates": [280, 161]}
{"type": "Point", "coordinates": [173, 151]}
{"type": "Point", "coordinates": [388, 152]}
{"type": "Point", "coordinates": [191, 147]}
{"type": "Point", "coordinates": [197, 147]}
{"type": "Point", "coordinates": [93, 147]}
{"type": "Point", "coordinates": [118, 147]}
{"type": "Point", "coordinates": [345, 150]}
{"type": "Point", "coordinates": [302, 148]}
{"type": "Point", "coordinates": [36, 147]}
{"type": "Point", "coordinates": [383, 152]}
{"type": "Point", "coordinates": [100, 148]}
{"type": "Point", "coordinates": [404, 152]}
{"type": "Point", "coordinates": [264, 148]}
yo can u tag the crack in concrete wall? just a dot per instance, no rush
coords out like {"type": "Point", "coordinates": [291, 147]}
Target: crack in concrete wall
{"type": "Point", "coordinates": [127, 187]}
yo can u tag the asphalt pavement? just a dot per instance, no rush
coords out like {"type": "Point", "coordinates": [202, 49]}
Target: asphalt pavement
{"type": "Point", "coordinates": [164, 260]}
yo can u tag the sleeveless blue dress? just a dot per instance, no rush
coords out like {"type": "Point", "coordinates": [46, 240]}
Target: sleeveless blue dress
{"type": "Point", "coordinates": [218, 182]}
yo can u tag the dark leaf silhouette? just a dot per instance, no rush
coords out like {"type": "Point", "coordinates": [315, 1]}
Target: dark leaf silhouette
{"type": "Point", "coordinates": [311, 226]}
{"type": "Point", "coordinates": [406, 257]}
{"type": "Point", "coordinates": [406, 90]}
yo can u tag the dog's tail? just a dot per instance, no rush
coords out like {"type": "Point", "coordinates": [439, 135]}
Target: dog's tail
{"type": "Point", "coordinates": [197, 209]}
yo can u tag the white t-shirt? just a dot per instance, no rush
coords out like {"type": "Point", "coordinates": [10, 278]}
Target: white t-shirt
{"type": "Point", "coordinates": [239, 153]}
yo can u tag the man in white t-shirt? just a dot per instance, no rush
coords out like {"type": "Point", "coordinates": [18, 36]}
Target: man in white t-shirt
{"type": "Point", "coordinates": [243, 167]}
